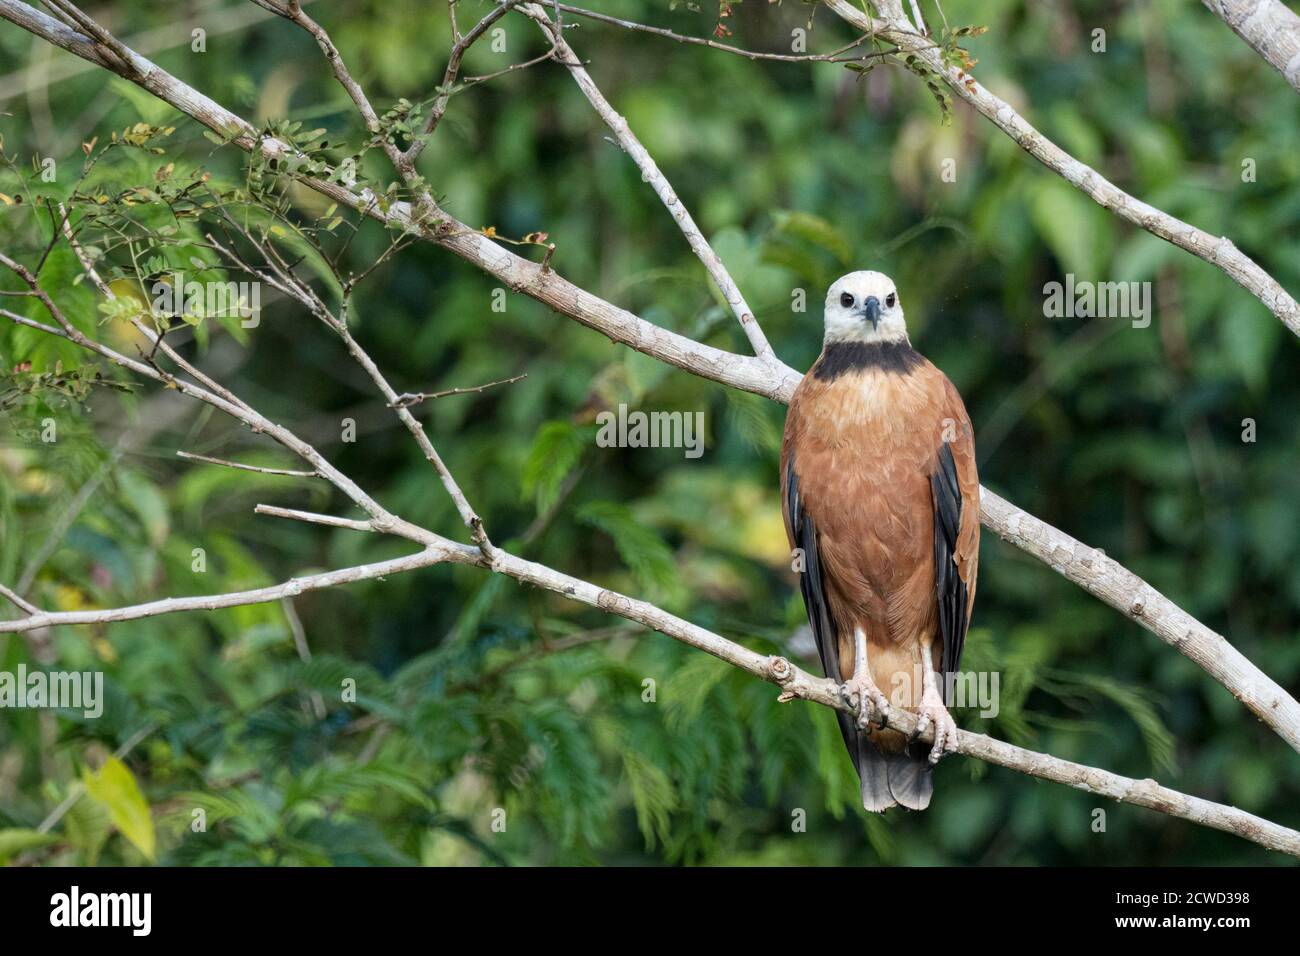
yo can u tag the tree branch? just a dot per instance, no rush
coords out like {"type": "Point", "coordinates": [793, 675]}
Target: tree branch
{"type": "Point", "coordinates": [1270, 28]}
{"type": "Point", "coordinates": [311, 517]}
{"type": "Point", "coordinates": [289, 473]}
{"type": "Point", "coordinates": [212, 602]}
{"type": "Point", "coordinates": [1137, 600]}
{"type": "Point", "coordinates": [407, 399]}
{"type": "Point", "coordinates": [651, 173]}
{"type": "Point", "coordinates": [18, 601]}
{"type": "Point", "coordinates": [445, 90]}
{"type": "Point", "coordinates": [835, 56]}
{"type": "Point", "coordinates": [307, 296]}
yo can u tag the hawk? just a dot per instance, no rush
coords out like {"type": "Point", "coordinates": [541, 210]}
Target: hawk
{"type": "Point", "coordinates": [881, 504]}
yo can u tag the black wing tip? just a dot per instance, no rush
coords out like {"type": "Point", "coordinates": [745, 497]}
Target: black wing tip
{"type": "Point", "coordinates": [951, 592]}
{"type": "Point", "coordinates": [811, 585]}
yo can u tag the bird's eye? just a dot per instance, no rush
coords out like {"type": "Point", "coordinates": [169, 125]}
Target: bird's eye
{"type": "Point", "coordinates": [890, 300]}
{"type": "Point", "coordinates": [846, 300]}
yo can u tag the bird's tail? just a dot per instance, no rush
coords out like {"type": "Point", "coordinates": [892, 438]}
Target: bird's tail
{"type": "Point", "coordinates": [893, 778]}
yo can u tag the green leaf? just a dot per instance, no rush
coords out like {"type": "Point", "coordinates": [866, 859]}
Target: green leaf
{"type": "Point", "coordinates": [115, 788]}
{"type": "Point", "coordinates": [555, 452]}
{"type": "Point", "coordinates": [653, 796]}
{"type": "Point", "coordinates": [1065, 219]}
{"type": "Point", "coordinates": [643, 551]}
{"type": "Point", "coordinates": [689, 688]}
{"type": "Point", "coordinates": [747, 414]}
{"type": "Point", "coordinates": [1250, 338]}
{"type": "Point", "coordinates": [817, 231]}
{"type": "Point", "coordinates": [18, 840]}
{"type": "Point", "coordinates": [87, 825]}
{"type": "Point", "coordinates": [150, 108]}
{"type": "Point", "coordinates": [149, 505]}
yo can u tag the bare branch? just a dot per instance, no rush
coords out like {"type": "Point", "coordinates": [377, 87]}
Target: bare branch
{"type": "Point", "coordinates": [312, 517]}
{"type": "Point", "coordinates": [651, 173]}
{"type": "Point", "coordinates": [257, 468]}
{"type": "Point", "coordinates": [467, 513]}
{"type": "Point", "coordinates": [512, 68]}
{"type": "Point", "coordinates": [407, 399]}
{"type": "Point", "coordinates": [74, 17]}
{"type": "Point", "coordinates": [1216, 250]}
{"type": "Point", "coordinates": [917, 19]}
{"type": "Point", "coordinates": [291, 285]}
{"type": "Point", "coordinates": [1270, 28]}
{"type": "Point", "coordinates": [445, 90]}
{"type": "Point", "coordinates": [25, 606]}
{"type": "Point", "coordinates": [213, 602]}
{"type": "Point", "coordinates": [294, 14]}
{"type": "Point", "coordinates": [155, 39]}
{"type": "Point", "coordinates": [835, 56]}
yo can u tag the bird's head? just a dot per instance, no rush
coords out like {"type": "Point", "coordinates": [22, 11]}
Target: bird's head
{"type": "Point", "coordinates": [864, 307]}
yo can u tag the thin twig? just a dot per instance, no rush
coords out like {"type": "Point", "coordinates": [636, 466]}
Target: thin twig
{"type": "Point", "coordinates": [835, 56]}
{"type": "Point", "coordinates": [407, 399]}
{"type": "Point", "coordinates": [257, 468]}
{"type": "Point", "coordinates": [213, 602]}
{"type": "Point", "coordinates": [446, 88]}
{"type": "Point", "coordinates": [304, 651]}
{"type": "Point", "coordinates": [313, 517]}
{"type": "Point", "coordinates": [22, 604]}
{"type": "Point", "coordinates": [651, 173]}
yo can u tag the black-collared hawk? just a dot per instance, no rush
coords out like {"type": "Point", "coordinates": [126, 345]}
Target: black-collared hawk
{"type": "Point", "coordinates": [881, 504]}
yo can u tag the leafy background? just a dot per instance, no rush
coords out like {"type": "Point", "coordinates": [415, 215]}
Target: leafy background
{"type": "Point", "coordinates": [477, 694]}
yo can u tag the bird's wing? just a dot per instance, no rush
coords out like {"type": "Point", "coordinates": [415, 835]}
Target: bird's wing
{"type": "Point", "coordinates": [954, 487]}
{"type": "Point", "coordinates": [803, 535]}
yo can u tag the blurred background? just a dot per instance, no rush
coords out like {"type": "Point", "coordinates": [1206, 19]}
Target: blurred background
{"type": "Point", "coordinates": [476, 694]}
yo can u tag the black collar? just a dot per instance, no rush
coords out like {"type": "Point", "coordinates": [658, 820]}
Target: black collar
{"type": "Point", "coordinates": [840, 357]}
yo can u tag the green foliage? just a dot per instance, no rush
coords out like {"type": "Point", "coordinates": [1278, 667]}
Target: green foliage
{"type": "Point", "coordinates": [643, 551]}
{"type": "Point", "coordinates": [114, 788]}
{"type": "Point", "coordinates": [555, 453]}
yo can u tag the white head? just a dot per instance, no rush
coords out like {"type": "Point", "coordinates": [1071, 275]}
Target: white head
{"type": "Point", "coordinates": [864, 307]}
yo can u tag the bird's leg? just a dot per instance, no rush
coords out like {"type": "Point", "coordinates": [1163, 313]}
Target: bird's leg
{"type": "Point", "coordinates": [863, 686]}
{"type": "Point", "coordinates": [932, 710]}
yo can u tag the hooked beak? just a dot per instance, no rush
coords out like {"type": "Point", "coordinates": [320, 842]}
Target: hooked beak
{"type": "Point", "coordinates": [871, 311]}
